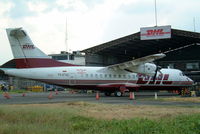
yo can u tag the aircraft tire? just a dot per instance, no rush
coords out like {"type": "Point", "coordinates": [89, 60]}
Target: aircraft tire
{"type": "Point", "coordinates": [118, 94]}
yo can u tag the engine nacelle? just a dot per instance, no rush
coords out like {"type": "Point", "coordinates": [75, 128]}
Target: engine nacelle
{"type": "Point", "coordinates": [147, 69]}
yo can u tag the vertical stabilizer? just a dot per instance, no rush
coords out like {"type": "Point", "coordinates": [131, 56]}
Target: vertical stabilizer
{"type": "Point", "coordinates": [22, 46]}
{"type": "Point", "coordinates": [26, 54]}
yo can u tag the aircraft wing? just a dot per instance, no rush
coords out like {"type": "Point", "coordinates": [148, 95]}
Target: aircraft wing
{"type": "Point", "coordinates": [136, 62]}
{"type": "Point", "coordinates": [140, 65]}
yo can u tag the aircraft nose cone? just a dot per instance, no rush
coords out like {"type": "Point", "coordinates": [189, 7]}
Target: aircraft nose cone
{"type": "Point", "coordinates": [192, 82]}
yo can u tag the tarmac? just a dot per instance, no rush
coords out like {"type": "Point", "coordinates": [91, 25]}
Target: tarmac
{"type": "Point", "coordinates": [141, 98]}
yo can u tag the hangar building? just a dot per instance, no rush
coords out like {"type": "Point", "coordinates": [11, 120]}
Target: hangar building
{"type": "Point", "coordinates": [182, 50]}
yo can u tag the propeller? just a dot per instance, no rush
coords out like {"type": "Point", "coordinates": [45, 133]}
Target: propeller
{"type": "Point", "coordinates": [158, 68]}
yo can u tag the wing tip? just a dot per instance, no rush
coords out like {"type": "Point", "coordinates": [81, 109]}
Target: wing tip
{"type": "Point", "coordinates": [161, 55]}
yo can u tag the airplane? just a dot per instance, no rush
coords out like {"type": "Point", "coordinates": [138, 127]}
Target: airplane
{"type": "Point", "coordinates": [134, 75]}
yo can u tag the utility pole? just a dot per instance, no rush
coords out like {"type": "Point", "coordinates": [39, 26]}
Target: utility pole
{"type": "Point", "coordinates": [155, 12]}
{"type": "Point", "coordinates": [66, 41]}
{"type": "Point", "coordinates": [194, 24]}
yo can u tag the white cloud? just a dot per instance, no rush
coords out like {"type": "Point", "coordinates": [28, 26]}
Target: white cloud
{"type": "Point", "coordinates": [85, 29]}
{"type": "Point", "coordinates": [77, 5]}
{"type": "Point", "coordinates": [5, 7]}
{"type": "Point", "coordinates": [37, 6]}
{"type": "Point", "coordinates": [5, 51]}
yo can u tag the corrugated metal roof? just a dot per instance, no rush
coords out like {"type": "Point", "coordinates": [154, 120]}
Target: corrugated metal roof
{"type": "Point", "coordinates": [132, 46]}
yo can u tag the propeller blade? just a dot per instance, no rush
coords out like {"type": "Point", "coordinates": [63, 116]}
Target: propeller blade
{"type": "Point", "coordinates": [154, 77]}
{"type": "Point", "coordinates": [158, 68]}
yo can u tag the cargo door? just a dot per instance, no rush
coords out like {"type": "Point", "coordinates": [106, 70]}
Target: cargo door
{"type": "Point", "coordinates": [72, 79]}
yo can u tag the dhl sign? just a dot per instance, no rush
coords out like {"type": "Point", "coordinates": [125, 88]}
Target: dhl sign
{"type": "Point", "coordinates": [161, 32]}
{"type": "Point", "coordinates": [160, 79]}
{"type": "Point", "coordinates": [28, 46]}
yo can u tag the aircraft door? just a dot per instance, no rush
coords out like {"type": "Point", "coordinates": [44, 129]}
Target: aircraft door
{"type": "Point", "coordinates": [72, 79]}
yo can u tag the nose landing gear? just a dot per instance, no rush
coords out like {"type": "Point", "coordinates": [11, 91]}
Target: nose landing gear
{"type": "Point", "coordinates": [116, 93]}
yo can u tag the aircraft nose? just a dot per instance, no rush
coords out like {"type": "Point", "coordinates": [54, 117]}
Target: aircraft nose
{"type": "Point", "coordinates": [190, 80]}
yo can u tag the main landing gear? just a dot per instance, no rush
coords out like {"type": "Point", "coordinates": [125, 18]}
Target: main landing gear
{"type": "Point", "coordinates": [116, 93]}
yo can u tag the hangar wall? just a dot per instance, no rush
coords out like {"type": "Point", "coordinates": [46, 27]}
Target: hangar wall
{"type": "Point", "coordinates": [102, 60]}
{"type": "Point", "coordinates": [186, 59]}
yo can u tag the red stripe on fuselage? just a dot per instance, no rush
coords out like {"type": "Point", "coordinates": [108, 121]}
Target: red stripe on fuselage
{"type": "Point", "coordinates": [112, 84]}
{"type": "Point", "coordinates": [39, 62]}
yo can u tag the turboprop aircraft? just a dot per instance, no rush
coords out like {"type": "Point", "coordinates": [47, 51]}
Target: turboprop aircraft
{"type": "Point", "coordinates": [31, 63]}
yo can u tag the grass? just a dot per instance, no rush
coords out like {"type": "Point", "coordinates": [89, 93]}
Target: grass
{"type": "Point", "coordinates": [89, 118]}
{"type": "Point", "coordinates": [183, 99]}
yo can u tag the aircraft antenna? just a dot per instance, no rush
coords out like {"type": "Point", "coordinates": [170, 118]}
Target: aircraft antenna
{"type": "Point", "coordinates": [66, 40]}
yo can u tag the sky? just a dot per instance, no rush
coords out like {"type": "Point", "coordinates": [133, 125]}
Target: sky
{"type": "Point", "coordinates": [89, 22]}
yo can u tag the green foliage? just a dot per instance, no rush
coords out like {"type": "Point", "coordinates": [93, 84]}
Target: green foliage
{"type": "Point", "coordinates": [50, 120]}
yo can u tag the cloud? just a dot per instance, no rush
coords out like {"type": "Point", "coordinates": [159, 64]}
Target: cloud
{"type": "Point", "coordinates": [5, 7]}
{"type": "Point", "coordinates": [37, 6]}
{"type": "Point", "coordinates": [77, 5]}
{"type": "Point", "coordinates": [5, 53]}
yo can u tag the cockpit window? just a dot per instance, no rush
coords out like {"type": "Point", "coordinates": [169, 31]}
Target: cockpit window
{"type": "Point", "coordinates": [181, 74]}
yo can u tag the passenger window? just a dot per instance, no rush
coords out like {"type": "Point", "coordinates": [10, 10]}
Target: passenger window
{"type": "Point", "coordinates": [86, 75]}
{"type": "Point", "coordinates": [105, 75]}
{"type": "Point", "coordinates": [124, 76]}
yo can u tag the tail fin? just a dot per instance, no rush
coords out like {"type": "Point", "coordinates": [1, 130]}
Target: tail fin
{"type": "Point", "coordinates": [26, 54]}
{"type": "Point", "coordinates": [22, 46]}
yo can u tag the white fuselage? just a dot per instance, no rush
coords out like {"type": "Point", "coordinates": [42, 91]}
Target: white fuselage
{"type": "Point", "coordinates": [95, 77]}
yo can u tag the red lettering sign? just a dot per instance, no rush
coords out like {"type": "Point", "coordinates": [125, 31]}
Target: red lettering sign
{"type": "Point", "coordinates": [165, 80]}
{"type": "Point", "coordinates": [155, 32]}
{"type": "Point", "coordinates": [141, 79]}
{"type": "Point", "coordinates": [81, 71]}
{"type": "Point", "coordinates": [144, 79]}
{"type": "Point", "coordinates": [28, 46]}
{"type": "Point", "coordinates": [161, 32]}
